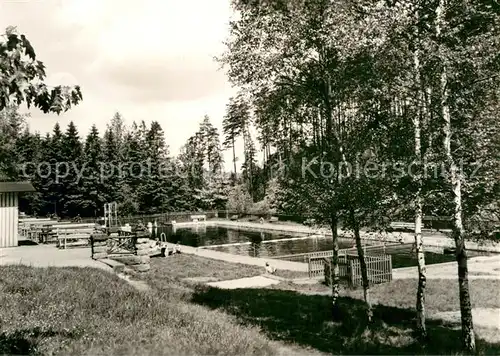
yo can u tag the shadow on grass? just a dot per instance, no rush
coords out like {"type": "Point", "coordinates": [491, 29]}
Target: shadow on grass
{"type": "Point", "coordinates": [25, 342]}
{"type": "Point", "coordinates": [307, 320]}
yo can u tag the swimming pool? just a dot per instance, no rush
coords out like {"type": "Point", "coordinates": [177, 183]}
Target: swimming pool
{"type": "Point", "coordinates": [257, 244]}
{"type": "Point", "coordinates": [252, 243]}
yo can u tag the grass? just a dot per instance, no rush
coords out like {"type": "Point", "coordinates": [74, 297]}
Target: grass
{"type": "Point", "coordinates": [291, 274]}
{"type": "Point", "coordinates": [91, 312]}
{"type": "Point", "coordinates": [167, 275]}
{"type": "Point", "coordinates": [441, 294]}
{"type": "Point", "coordinates": [307, 319]}
{"type": "Point", "coordinates": [183, 266]}
{"type": "Point", "coordinates": [166, 272]}
{"type": "Point", "coordinates": [296, 313]}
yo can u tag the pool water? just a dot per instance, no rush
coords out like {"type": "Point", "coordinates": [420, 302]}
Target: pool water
{"type": "Point", "coordinates": [408, 259]}
{"type": "Point", "coordinates": [254, 245]}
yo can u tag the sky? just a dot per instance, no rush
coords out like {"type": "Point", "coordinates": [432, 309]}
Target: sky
{"type": "Point", "coordinates": [147, 59]}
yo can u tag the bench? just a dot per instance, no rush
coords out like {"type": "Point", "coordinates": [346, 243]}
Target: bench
{"type": "Point", "coordinates": [73, 240]}
{"type": "Point", "coordinates": [273, 219]}
{"type": "Point", "coordinates": [198, 217]}
{"type": "Point", "coordinates": [405, 226]}
{"type": "Point", "coordinates": [73, 234]}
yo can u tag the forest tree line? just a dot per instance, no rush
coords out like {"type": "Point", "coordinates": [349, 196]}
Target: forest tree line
{"type": "Point", "coordinates": [75, 174]}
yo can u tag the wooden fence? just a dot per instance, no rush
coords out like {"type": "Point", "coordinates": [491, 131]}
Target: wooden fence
{"type": "Point", "coordinates": [379, 269]}
{"type": "Point", "coordinates": [316, 263]}
{"type": "Point", "coordinates": [378, 260]}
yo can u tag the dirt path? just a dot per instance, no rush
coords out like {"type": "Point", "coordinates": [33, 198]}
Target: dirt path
{"type": "Point", "coordinates": [484, 267]}
{"type": "Point", "coordinates": [486, 322]}
{"type": "Point", "coordinates": [246, 260]}
{"type": "Point", "coordinates": [249, 282]}
{"type": "Point", "coordinates": [49, 256]}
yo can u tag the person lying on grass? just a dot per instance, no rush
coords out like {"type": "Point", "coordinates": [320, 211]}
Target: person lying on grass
{"type": "Point", "coordinates": [270, 269]}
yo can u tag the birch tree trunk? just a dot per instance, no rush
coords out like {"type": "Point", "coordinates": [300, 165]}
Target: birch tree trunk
{"type": "Point", "coordinates": [362, 263]}
{"type": "Point", "coordinates": [468, 337]}
{"type": "Point", "coordinates": [419, 243]}
{"type": "Point", "coordinates": [234, 160]}
{"type": "Point", "coordinates": [335, 280]}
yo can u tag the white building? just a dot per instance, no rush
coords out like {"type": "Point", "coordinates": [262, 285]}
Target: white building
{"type": "Point", "coordinates": [9, 211]}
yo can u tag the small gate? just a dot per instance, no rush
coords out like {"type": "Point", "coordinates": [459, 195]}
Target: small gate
{"type": "Point", "coordinates": [379, 269]}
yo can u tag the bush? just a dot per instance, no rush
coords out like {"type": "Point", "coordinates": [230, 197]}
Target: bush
{"type": "Point", "coordinates": [239, 200]}
{"type": "Point", "coordinates": [261, 208]}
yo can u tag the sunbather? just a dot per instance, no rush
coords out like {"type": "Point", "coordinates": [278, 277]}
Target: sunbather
{"type": "Point", "coordinates": [270, 269]}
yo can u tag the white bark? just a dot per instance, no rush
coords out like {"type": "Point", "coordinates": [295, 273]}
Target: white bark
{"type": "Point", "coordinates": [454, 179]}
{"type": "Point", "coordinates": [419, 243]}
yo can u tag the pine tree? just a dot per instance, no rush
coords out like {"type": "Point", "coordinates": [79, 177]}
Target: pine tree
{"type": "Point", "coordinates": [93, 187]}
{"type": "Point", "coordinates": [117, 127]}
{"type": "Point", "coordinates": [72, 154]}
{"type": "Point", "coordinates": [52, 188]}
{"type": "Point", "coordinates": [111, 159]}
{"type": "Point", "coordinates": [135, 160]}
{"type": "Point", "coordinates": [212, 145]}
{"type": "Point", "coordinates": [237, 115]}
{"type": "Point", "coordinates": [154, 182]}
{"type": "Point", "coordinates": [250, 163]}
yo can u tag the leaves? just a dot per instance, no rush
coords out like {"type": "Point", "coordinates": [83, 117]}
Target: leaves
{"type": "Point", "coordinates": [22, 75]}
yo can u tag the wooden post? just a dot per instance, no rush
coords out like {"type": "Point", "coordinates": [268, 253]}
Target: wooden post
{"type": "Point", "coordinates": [99, 246]}
{"type": "Point", "coordinates": [351, 273]}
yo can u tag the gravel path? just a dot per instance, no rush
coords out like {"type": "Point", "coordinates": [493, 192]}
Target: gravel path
{"type": "Point", "coordinates": [250, 282]}
{"type": "Point", "coordinates": [483, 317]}
{"type": "Point", "coordinates": [246, 260]}
{"type": "Point", "coordinates": [49, 256]}
{"type": "Point", "coordinates": [484, 267]}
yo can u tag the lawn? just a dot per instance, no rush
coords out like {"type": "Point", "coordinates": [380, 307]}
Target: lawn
{"type": "Point", "coordinates": [86, 311]}
{"type": "Point", "coordinates": [287, 315]}
{"type": "Point", "coordinates": [177, 269]}
{"type": "Point", "coordinates": [296, 313]}
{"type": "Point", "coordinates": [441, 294]}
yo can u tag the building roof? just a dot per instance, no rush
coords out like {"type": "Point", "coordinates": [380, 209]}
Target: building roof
{"type": "Point", "coordinates": [17, 187]}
